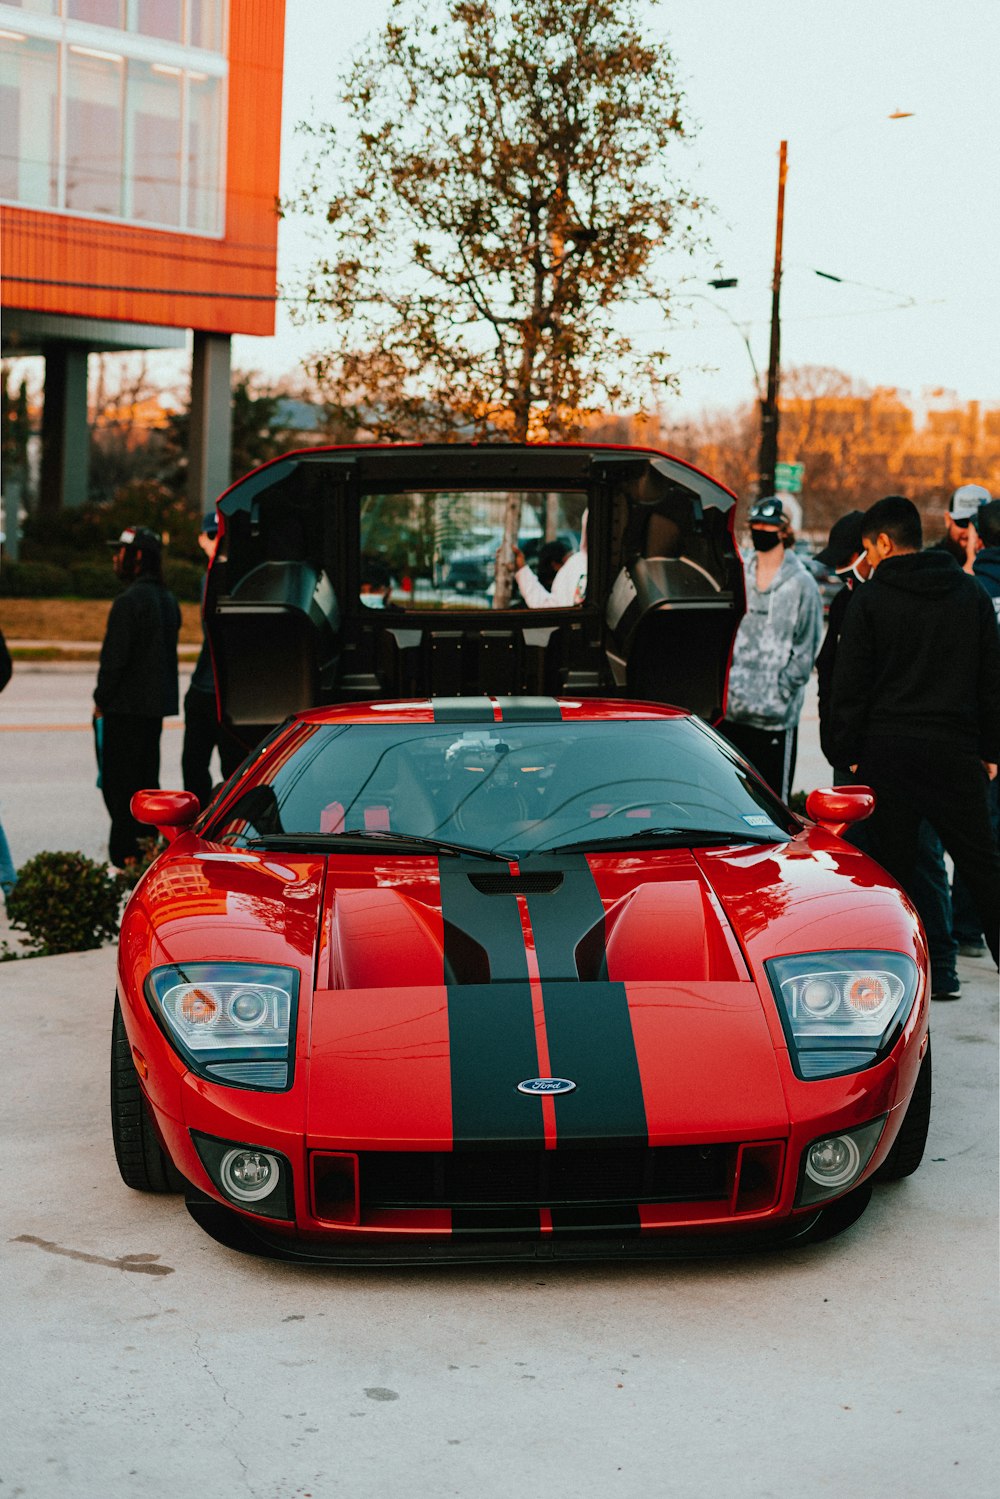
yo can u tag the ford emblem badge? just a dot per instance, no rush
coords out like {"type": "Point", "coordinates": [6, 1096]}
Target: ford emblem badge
{"type": "Point", "coordinates": [546, 1085]}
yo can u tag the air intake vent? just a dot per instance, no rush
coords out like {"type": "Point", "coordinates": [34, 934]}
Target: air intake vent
{"type": "Point", "coordinates": [517, 884]}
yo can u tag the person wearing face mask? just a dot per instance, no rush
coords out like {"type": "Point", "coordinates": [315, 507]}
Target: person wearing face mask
{"type": "Point", "coordinates": [916, 707]}
{"type": "Point", "coordinates": [843, 554]}
{"type": "Point", "coordinates": [774, 651]}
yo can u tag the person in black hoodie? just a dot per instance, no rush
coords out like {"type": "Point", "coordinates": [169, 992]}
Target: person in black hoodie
{"type": "Point", "coordinates": [916, 704]}
{"type": "Point", "coordinates": [844, 553]}
{"type": "Point", "coordinates": [136, 684]}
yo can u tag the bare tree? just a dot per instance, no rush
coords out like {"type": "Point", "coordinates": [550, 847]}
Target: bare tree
{"type": "Point", "coordinates": [506, 190]}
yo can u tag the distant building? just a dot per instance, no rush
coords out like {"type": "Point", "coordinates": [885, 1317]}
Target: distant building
{"type": "Point", "coordinates": [139, 154]}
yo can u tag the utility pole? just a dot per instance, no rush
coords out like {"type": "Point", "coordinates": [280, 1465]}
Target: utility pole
{"type": "Point", "coordinates": [769, 405]}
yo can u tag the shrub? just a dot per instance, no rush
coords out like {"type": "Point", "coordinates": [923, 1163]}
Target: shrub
{"type": "Point", "coordinates": [65, 902]}
{"type": "Point", "coordinates": [93, 579]}
{"type": "Point", "coordinates": [34, 580]}
{"type": "Point", "coordinates": [184, 579]}
{"type": "Point", "coordinates": [797, 802]}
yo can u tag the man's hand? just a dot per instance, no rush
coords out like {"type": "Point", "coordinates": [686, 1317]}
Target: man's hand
{"type": "Point", "coordinates": [972, 546]}
{"type": "Point", "coordinates": [990, 769]}
{"type": "Point", "coordinates": [97, 714]}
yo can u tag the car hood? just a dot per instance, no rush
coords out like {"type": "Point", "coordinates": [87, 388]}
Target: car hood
{"type": "Point", "coordinates": [443, 988]}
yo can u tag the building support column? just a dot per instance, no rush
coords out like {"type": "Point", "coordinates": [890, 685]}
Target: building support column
{"type": "Point", "coordinates": [211, 432]}
{"type": "Point", "coordinates": [65, 433]}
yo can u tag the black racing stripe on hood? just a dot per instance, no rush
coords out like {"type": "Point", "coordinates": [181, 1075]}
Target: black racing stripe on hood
{"type": "Point", "coordinates": [590, 1038]}
{"type": "Point", "coordinates": [491, 1021]}
{"type": "Point", "coordinates": [462, 710]}
{"type": "Point", "coordinates": [491, 1033]}
{"type": "Point", "coordinates": [529, 710]}
{"type": "Point", "coordinates": [561, 918]}
{"type": "Point", "coordinates": [491, 922]}
{"type": "Point", "coordinates": [587, 1024]}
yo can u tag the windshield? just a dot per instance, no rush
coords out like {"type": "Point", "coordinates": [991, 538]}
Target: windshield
{"type": "Point", "coordinates": [514, 789]}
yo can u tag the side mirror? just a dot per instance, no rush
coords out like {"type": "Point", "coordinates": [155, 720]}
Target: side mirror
{"type": "Point", "coordinates": [838, 806]}
{"type": "Point", "coordinates": [169, 812]}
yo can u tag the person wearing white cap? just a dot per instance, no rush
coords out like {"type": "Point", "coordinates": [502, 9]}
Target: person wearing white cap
{"type": "Point", "coordinates": [962, 508]}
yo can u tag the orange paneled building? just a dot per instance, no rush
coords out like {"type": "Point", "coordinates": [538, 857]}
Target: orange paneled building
{"type": "Point", "coordinates": [139, 156]}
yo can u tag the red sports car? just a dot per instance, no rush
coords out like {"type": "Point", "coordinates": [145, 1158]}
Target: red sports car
{"type": "Point", "coordinates": [490, 977]}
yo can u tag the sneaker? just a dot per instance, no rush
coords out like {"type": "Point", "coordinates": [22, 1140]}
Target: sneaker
{"type": "Point", "coordinates": [951, 992]}
{"type": "Point", "coordinates": [976, 949]}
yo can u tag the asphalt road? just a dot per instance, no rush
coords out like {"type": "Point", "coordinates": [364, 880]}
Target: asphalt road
{"type": "Point", "coordinates": [142, 1359]}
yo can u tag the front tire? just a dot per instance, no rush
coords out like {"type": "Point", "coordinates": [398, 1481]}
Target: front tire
{"type": "Point", "coordinates": [908, 1147]}
{"type": "Point", "coordinates": [142, 1161]}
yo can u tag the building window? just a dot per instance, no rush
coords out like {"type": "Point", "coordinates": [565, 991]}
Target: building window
{"type": "Point", "coordinates": [123, 116]}
{"type": "Point", "coordinates": [154, 132]}
{"type": "Point", "coordinates": [160, 18]}
{"type": "Point", "coordinates": [97, 12]}
{"type": "Point", "coordinates": [29, 124]}
{"type": "Point", "coordinates": [203, 143]}
{"type": "Point", "coordinates": [93, 132]}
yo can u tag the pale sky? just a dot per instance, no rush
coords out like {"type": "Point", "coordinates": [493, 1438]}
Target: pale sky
{"type": "Point", "coordinates": [907, 209]}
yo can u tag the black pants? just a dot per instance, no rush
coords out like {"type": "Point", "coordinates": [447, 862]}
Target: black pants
{"type": "Point", "coordinates": [915, 779]}
{"type": "Point", "coordinates": [130, 762]}
{"type": "Point", "coordinates": [202, 734]}
{"type": "Point", "coordinates": [771, 752]}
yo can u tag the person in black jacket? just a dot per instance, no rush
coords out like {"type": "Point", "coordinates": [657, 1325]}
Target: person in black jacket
{"type": "Point", "coordinates": [203, 731]}
{"type": "Point", "coordinates": [136, 684]}
{"type": "Point", "coordinates": [844, 553]}
{"type": "Point", "coordinates": [916, 704]}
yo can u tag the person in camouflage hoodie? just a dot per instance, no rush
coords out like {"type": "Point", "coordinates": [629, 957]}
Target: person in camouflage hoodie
{"type": "Point", "coordinates": [774, 652]}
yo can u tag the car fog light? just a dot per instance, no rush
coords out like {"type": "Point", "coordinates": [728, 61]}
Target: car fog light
{"type": "Point", "coordinates": [834, 1162]}
{"type": "Point", "coordinates": [249, 1175]}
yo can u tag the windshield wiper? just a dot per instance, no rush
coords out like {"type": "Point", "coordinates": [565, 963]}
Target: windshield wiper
{"type": "Point", "coordinates": [359, 838]}
{"type": "Point", "coordinates": [658, 838]}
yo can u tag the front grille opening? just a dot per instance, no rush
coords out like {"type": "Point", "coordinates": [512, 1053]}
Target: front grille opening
{"type": "Point", "coordinates": [537, 883]}
{"type": "Point", "coordinates": [335, 1187]}
{"type": "Point", "coordinates": [758, 1176]}
{"type": "Point", "coordinates": [495, 1179]}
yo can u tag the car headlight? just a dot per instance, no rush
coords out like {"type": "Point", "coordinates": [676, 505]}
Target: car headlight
{"type": "Point", "coordinates": [231, 1022]}
{"type": "Point", "coordinates": [842, 1011]}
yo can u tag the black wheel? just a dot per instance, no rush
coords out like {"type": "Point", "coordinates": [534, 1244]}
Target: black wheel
{"type": "Point", "coordinates": [908, 1147]}
{"type": "Point", "coordinates": [141, 1159]}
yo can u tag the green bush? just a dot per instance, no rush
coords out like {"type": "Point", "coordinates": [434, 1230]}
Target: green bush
{"type": "Point", "coordinates": [184, 579]}
{"type": "Point", "coordinates": [93, 579]}
{"type": "Point", "coordinates": [797, 802]}
{"type": "Point", "coordinates": [34, 580]}
{"type": "Point", "coordinates": [65, 902]}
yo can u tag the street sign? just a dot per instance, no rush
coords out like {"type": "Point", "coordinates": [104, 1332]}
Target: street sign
{"type": "Point", "coordinates": [788, 477]}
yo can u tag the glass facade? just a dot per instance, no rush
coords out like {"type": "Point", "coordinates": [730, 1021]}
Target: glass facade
{"type": "Point", "coordinates": [115, 108]}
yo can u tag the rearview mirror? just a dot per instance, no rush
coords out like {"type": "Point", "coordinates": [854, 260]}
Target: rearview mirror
{"type": "Point", "coordinates": [169, 812]}
{"type": "Point", "coordinates": [836, 807]}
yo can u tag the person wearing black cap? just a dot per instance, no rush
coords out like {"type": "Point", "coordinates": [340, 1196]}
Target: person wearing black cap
{"type": "Point", "coordinates": [203, 731]}
{"type": "Point", "coordinates": [843, 554]}
{"type": "Point", "coordinates": [136, 684]}
{"type": "Point", "coordinates": [916, 705]}
{"type": "Point", "coordinates": [774, 650]}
